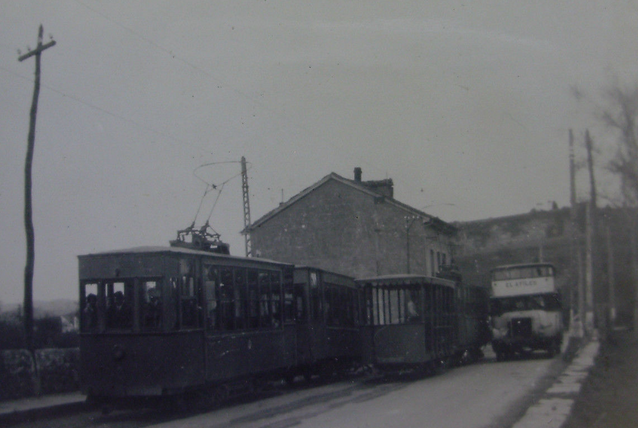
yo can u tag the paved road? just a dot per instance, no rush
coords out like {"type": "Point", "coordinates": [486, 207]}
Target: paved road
{"type": "Point", "coordinates": [487, 394]}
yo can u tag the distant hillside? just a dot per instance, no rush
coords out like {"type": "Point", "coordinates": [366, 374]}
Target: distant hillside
{"type": "Point", "coordinates": [58, 307]}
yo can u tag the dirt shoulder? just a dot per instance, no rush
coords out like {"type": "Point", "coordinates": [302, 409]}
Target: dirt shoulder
{"type": "Point", "coordinates": [609, 396]}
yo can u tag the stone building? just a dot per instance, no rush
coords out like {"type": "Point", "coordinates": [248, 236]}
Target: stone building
{"type": "Point", "coordinates": [353, 227]}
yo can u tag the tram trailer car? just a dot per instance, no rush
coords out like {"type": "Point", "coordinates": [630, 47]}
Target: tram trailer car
{"type": "Point", "coordinates": [327, 317]}
{"type": "Point", "coordinates": [416, 323]}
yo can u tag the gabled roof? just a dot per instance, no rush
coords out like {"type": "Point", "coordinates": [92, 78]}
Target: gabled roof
{"type": "Point", "coordinates": [436, 222]}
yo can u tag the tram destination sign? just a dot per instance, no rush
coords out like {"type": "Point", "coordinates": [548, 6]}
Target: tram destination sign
{"type": "Point", "coordinates": [517, 287]}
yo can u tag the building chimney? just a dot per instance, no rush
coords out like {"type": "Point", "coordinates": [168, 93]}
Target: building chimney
{"type": "Point", "coordinates": [357, 174]}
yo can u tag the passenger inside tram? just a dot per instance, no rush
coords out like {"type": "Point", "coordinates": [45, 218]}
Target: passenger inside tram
{"type": "Point", "coordinates": [89, 315]}
{"type": "Point", "coordinates": [119, 314]}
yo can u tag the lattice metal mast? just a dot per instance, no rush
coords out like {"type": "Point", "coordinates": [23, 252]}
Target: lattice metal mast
{"type": "Point", "coordinates": [244, 186]}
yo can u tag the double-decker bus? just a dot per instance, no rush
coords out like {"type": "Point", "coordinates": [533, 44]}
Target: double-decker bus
{"type": "Point", "coordinates": [525, 310]}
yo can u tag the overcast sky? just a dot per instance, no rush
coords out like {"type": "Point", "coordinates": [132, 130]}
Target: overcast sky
{"type": "Point", "coordinates": [465, 106]}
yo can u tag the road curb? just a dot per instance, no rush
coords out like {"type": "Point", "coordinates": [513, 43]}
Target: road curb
{"type": "Point", "coordinates": [553, 409]}
{"type": "Point", "coordinates": [18, 415]}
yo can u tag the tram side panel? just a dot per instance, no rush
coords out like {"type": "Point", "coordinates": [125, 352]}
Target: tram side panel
{"type": "Point", "coordinates": [249, 309]}
{"type": "Point", "coordinates": [132, 365]}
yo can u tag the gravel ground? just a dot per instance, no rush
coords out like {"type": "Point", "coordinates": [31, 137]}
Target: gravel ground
{"type": "Point", "coordinates": [609, 397]}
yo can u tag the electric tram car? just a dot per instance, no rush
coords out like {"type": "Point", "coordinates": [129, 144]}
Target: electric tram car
{"type": "Point", "coordinates": [415, 323]}
{"type": "Point", "coordinates": [163, 322]}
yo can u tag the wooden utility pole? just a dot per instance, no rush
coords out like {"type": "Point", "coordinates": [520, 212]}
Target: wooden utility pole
{"type": "Point", "coordinates": [577, 311]}
{"type": "Point", "coordinates": [591, 273]}
{"type": "Point", "coordinates": [611, 278]}
{"type": "Point", "coordinates": [28, 210]}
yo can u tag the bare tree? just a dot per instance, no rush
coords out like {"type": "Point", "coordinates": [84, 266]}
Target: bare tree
{"type": "Point", "coordinates": [621, 116]}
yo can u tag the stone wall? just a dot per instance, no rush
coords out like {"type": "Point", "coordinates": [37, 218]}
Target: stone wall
{"type": "Point", "coordinates": [57, 371]}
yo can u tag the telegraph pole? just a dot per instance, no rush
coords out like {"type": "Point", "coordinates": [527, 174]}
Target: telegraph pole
{"type": "Point", "coordinates": [577, 289]}
{"type": "Point", "coordinates": [28, 209]}
{"type": "Point", "coordinates": [591, 272]}
{"type": "Point", "coordinates": [611, 278]}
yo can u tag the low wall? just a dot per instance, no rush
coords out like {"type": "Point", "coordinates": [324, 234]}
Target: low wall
{"type": "Point", "coordinates": [57, 371]}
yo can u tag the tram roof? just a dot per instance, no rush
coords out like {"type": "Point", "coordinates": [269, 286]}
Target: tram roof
{"type": "Point", "coordinates": [177, 250]}
{"type": "Point", "coordinates": [406, 278]}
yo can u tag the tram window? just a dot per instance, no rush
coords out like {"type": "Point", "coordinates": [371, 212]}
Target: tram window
{"type": "Point", "coordinates": [253, 299]}
{"type": "Point", "coordinates": [315, 298]}
{"type": "Point", "coordinates": [151, 305]}
{"type": "Point", "coordinates": [346, 314]}
{"type": "Point", "coordinates": [330, 305]}
{"type": "Point", "coordinates": [369, 305]}
{"type": "Point", "coordinates": [171, 311]}
{"type": "Point", "coordinates": [349, 321]}
{"type": "Point", "coordinates": [340, 308]}
{"type": "Point", "coordinates": [89, 318]}
{"type": "Point", "coordinates": [386, 305]}
{"type": "Point", "coordinates": [211, 276]}
{"type": "Point", "coordinates": [275, 306]}
{"type": "Point", "coordinates": [188, 300]}
{"type": "Point", "coordinates": [264, 300]}
{"type": "Point", "coordinates": [354, 307]}
{"type": "Point", "coordinates": [240, 297]}
{"type": "Point", "coordinates": [413, 305]}
{"type": "Point", "coordinates": [300, 304]}
{"type": "Point", "coordinates": [289, 304]}
{"type": "Point", "coordinates": [226, 296]}
{"type": "Point", "coordinates": [119, 314]}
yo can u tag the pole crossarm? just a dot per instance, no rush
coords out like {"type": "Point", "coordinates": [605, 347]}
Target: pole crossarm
{"type": "Point", "coordinates": [37, 51]}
